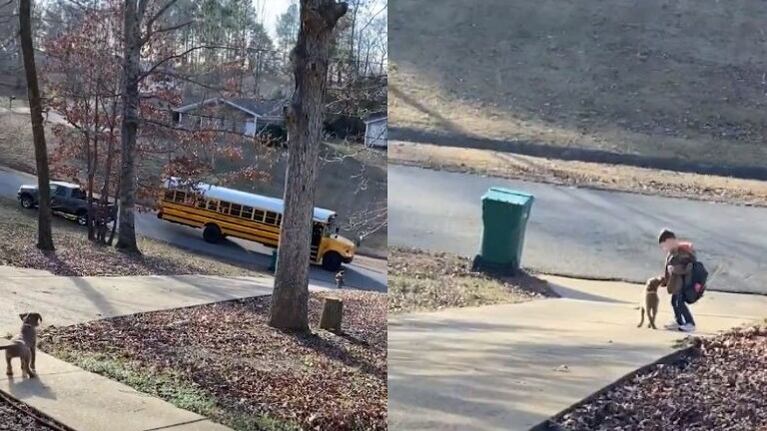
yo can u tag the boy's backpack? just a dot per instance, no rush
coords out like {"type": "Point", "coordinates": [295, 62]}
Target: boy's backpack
{"type": "Point", "coordinates": [697, 286]}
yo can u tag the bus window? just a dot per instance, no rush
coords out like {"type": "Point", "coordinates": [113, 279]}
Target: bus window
{"type": "Point", "coordinates": [180, 196]}
{"type": "Point", "coordinates": [223, 207]}
{"type": "Point", "coordinates": [201, 202]}
{"type": "Point", "coordinates": [212, 205]}
{"type": "Point", "coordinates": [235, 210]}
{"type": "Point", "coordinates": [271, 218]}
{"type": "Point", "coordinates": [169, 195]}
{"type": "Point", "coordinates": [247, 212]}
{"type": "Point", "coordinates": [258, 215]}
{"type": "Point", "coordinates": [279, 219]}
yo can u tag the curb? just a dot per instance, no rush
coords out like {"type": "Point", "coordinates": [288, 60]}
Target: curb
{"type": "Point", "coordinates": [34, 413]}
{"type": "Point", "coordinates": [551, 424]}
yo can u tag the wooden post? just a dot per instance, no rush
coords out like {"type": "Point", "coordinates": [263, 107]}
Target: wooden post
{"type": "Point", "coordinates": [331, 315]}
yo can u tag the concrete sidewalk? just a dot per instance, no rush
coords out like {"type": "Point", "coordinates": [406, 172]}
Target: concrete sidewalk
{"type": "Point", "coordinates": [86, 401]}
{"type": "Point", "coordinates": [509, 367]}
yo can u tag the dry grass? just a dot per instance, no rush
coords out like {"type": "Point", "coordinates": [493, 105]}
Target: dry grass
{"type": "Point", "coordinates": [16, 150]}
{"type": "Point", "coordinates": [655, 78]}
{"type": "Point", "coordinates": [601, 176]}
{"type": "Point", "coordinates": [76, 256]}
{"type": "Point", "coordinates": [423, 281]}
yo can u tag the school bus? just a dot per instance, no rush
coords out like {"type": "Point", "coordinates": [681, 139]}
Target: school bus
{"type": "Point", "coordinates": [223, 212]}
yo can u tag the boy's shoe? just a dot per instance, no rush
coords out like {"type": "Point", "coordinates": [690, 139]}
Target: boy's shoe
{"type": "Point", "coordinates": [687, 327]}
{"type": "Point", "coordinates": [672, 326]}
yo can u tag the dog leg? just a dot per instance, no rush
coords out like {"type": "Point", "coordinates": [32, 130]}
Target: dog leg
{"type": "Point", "coordinates": [651, 317]}
{"type": "Point", "coordinates": [32, 359]}
{"type": "Point", "coordinates": [9, 369]}
{"type": "Point", "coordinates": [641, 315]}
{"type": "Point", "coordinates": [24, 368]}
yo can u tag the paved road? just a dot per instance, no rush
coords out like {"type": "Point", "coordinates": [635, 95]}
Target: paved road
{"type": "Point", "coordinates": [147, 224]}
{"type": "Point", "coordinates": [580, 231]}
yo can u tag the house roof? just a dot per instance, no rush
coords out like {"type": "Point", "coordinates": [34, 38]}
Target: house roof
{"type": "Point", "coordinates": [261, 107]}
{"type": "Point", "coordinates": [375, 117]}
{"type": "Point", "coordinates": [255, 107]}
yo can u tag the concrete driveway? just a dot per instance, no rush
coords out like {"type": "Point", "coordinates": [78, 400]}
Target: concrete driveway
{"type": "Point", "coordinates": [510, 367]}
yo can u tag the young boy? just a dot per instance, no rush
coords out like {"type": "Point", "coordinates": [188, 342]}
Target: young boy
{"type": "Point", "coordinates": [676, 274]}
{"type": "Point", "coordinates": [340, 279]}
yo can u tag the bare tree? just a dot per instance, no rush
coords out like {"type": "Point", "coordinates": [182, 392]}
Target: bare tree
{"type": "Point", "coordinates": [290, 301]}
{"type": "Point", "coordinates": [44, 235]}
{"type": "Point", "coordinates": [133, 15]}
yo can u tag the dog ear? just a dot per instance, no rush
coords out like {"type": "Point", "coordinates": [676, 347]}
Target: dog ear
{"type": "Point", "coordinates": [38, 317]}
{"type": "Point", "coordinates": [22, 316]}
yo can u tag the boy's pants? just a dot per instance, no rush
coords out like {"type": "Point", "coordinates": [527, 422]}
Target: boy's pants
{"type": "Point", "coordinates": [681, 311]}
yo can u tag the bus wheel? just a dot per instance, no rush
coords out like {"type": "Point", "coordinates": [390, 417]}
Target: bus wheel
{"type": "Point", "coordinates": [331, 261]}
{"type": "Point", "coordinates": [211, 234]}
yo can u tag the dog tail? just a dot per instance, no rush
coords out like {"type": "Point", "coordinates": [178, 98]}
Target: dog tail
{"type": "Point", "coordinates": [8, 346]}
{"type": "Point", "coordinates": [641, 314]}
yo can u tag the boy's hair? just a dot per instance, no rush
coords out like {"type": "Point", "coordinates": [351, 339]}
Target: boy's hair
{"type": "Point", "coordinates": [664, 235]}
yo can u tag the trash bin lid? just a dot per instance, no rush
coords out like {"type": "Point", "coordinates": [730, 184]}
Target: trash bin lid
{"type": "Point", "coordinates": [513, 197]}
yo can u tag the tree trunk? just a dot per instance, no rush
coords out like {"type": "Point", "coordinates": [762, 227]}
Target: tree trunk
{"type": "Point", "coordinates": [126, 235]}
{"type": "Point", "coordinates": [290, 300]}
{"type": "Point", "coordinates": [44, 235]}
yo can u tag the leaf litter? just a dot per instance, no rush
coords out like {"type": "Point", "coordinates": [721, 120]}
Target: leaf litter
{"type": "Point", "coordinates": [318, 381]}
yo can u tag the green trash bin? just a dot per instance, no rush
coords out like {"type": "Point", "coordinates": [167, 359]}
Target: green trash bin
{"type": "Point", "coordinates": [504, 218]}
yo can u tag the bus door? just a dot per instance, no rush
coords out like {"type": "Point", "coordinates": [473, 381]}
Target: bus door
{"type": "Point", "coordinates": [317, 231]}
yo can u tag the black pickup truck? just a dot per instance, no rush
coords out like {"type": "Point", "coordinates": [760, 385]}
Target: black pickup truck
{"type": "Point", "coordinates": [67, 199]}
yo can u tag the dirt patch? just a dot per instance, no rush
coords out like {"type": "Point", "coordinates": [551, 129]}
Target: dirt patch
{"type": "Point", "coordinates": [425, 281]}
{"type": "Point", "coordinates": [76, 256]}
{"type": "Point", "coordinates": [719, 385]}
{"type": "Point", "coordinates": [223, 361]}
{"type": "Point", "coordinates": [17, 416]}
{"type": "Point", "coordinates": [655, 78]}
{"type": "Point", "coordinates": [582, 174]}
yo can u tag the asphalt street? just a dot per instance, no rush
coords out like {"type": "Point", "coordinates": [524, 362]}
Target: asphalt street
{"type": "Point", "coordinates": [232, 250]}
{"type": "Point", "coordinates": [582, 232]}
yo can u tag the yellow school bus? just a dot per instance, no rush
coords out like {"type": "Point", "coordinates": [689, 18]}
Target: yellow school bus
{"type": "Point", "coordinates": [223, 212]}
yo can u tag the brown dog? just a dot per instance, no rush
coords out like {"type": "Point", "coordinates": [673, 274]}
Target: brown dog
{"type": "Point", "coordinates": [24, 345]}
{"type": "Point", "coordinates": [649, 303]}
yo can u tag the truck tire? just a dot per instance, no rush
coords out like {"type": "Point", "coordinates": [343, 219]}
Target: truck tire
{"type": "Point", "coordinates": [331, 261]}
{"type": "Point", "coordinates": [212, 234]}
{"type": "Point", "coordinates": [26, 201]}
{"type": "Point", "coordinates": [82, 218]}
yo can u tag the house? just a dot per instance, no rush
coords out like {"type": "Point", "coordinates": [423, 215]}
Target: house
{"type": "Point", "coordinates": [375, 130]}
{"type": "Point", "coordinates": [246, 116]}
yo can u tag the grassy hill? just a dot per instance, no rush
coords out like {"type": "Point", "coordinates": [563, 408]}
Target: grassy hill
{"type": "Point", "coordinates": [657, 78]}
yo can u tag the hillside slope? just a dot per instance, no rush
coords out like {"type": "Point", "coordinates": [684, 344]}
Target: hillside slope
{"type": "Point", "coordinates": [658, 78]}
